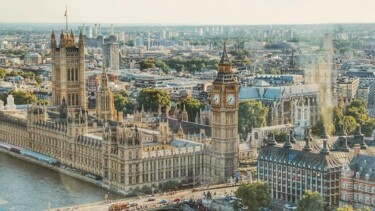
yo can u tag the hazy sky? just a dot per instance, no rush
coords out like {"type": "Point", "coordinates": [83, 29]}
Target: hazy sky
{"type": "Point", "coordinates": [189, 11]}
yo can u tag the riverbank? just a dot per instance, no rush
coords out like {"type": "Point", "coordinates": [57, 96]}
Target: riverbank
{"type": "Point", "coordinates": [64, 171]}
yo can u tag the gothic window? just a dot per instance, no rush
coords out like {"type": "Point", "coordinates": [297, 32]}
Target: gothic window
{"type": "Point", "coordinates": [68, 76]}
{"type": "Point", "coordinates": [73, 98]}
{"type": "Point", "coordinates": [76, 99]}
{"type": "Point", "coordinates": [76, 74]}
{"type": "Point", "coordinates": [69, 99]}
{"type": "Point", "coordinates": [345, 185]}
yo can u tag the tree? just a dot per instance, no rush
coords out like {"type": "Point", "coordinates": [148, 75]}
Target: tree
{"type": "Point", "coordinates": [252, 114]}
{"type": "Point", "coordinates": [318, 128]}
{"type": "Point", "coordinates": [358, 110]}
{"type": "Point", "coordinates": [350, 124]}
{"type": "Point", "coordinates": [192, 107]}
{"type": "Point", "coordinates": [122, 103]}
{"type": "Point", "coordinates": [254, 195]}
{"type": "Point", "coordinates": [160, 64]}
{"type": "Point", "coordinates": [146, 64]}
{"type": "Point", "coordinates": [368, 127]}
{"type": "Point", "coordinates": [280, 137]}
{"type": "Point", "coordinates": [20, 97]}
{"type": "Point", "coordinates": [152, 98]}
{"type": "Point", "coordinates": [2, 73]}
{"type": "Point", "coordinates": [347, 208]}
{"type": "Point", "coordinates": [171, 185]}
{"type": "Point", "coordinates": [311, 201]}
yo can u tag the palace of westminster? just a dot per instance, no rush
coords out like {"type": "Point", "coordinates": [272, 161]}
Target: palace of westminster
{"type": "Point", "coordinates": [146, 150]}
{"type": "Point", "coordinates": [138, 153]}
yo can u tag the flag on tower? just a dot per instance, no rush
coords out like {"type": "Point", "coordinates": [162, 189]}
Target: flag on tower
{"type": "Point", "coordinates": [66, 11]}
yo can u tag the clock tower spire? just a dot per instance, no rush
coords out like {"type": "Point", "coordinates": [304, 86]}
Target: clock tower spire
{"type": "Point", "coordinates": [224, 103]}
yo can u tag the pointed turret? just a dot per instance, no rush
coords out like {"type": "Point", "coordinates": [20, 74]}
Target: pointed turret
{"type": "Point", "coordinates": [225, 67]}
{"type": "Point", "coordinates": [81, 41]}
{"type": "Point", "coordinates": [62, 39]}
{"type": "Point", "coordinates": [224, 56]}
{"type": "Point", "coordinates": [185, 116]}
{"type": "Point", "coordinates": [53, 40]}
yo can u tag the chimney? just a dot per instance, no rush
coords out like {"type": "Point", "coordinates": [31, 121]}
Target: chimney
{"type": "Point", "coordinates": [288, 144]}
{"type": "Point", "coordinates": [307, 147]}
{"type": "Point", "coordinates": [325, 150]}
{"type": "Point", "coordinates": [357, 150]}
{"type": "Point", "coordinates": [271, 139]}
{"type": "Point", "coordinates": [324, 135]}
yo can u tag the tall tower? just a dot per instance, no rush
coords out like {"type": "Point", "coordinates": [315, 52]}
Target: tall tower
{"type": "Point", "coordinates": [68, 70]}
{"type": "Point", "coordinates": [224, 102]}
{"type": "Point", "coordinates": [105, 107]}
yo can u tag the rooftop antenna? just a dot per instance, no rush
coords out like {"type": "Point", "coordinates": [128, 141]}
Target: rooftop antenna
{"type": "Point", "coordinates": [66, 16]}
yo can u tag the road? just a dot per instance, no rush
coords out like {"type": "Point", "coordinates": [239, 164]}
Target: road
{"type": "Point", "coordinates": [220, 191]}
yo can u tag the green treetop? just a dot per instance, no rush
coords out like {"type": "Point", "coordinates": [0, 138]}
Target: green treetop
{"type": "Point", "coordinates": [311, 201]}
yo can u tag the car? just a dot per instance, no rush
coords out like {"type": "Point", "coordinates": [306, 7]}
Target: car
{"type": "Point", "coordinates": [177, 200]}
{"type": "Point", "coordinates": [133, 204]}
{"type": "Point", "coordinates": [186, 201]}
{"type": "Point", "coordinates": [151, 199]}
{"type": "Point", "coordinates": [163, 201]}
{"type": "Point", "coordinates": [290, 207]}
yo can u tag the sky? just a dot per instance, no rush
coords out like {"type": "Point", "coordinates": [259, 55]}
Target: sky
{"type": "Point", "coordinates": [195, 12]}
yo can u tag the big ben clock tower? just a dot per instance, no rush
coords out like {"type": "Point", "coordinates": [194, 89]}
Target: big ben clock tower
{"type": "Point", "coordinates": [224, 103]}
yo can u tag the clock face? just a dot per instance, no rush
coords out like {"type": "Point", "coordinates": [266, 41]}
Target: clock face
{"type": "Point", "coordinates": [216, 98]}
{"type": "Point", "coordinates": [230, 99]}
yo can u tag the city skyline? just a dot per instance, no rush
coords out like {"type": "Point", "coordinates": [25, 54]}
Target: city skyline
{"type": "Point", "coordinates": [190, 12]}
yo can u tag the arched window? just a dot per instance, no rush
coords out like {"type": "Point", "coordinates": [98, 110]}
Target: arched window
{"type": "Point", "coordinates": [68, 76]}
{"type": "Point", "coordinates": [69, 100]}
{"type": "Point", "coordinates": [72, 75]}
{"type": "Point", "coordinates": [76, 74]}
{"type": "Point", "coordinates": [73, 98]}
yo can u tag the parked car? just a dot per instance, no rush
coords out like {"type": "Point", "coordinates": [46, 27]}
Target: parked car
{"type": "Point", "coordinates": [290, 207]}
{"type": "Point", "coordinates": [163, 201]}
{"type": "Point", "coordinates": [151, 199]}
{"type": "Point", "coordinates": [133, 204]}
{"type": "Point", "coordinates": [177, 200]}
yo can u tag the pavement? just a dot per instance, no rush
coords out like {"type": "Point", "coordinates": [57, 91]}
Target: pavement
{"type": "Point", "coordinates": [220, 190]}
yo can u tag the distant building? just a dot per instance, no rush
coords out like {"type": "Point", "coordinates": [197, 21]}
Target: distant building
{"type": "Point", "coordinates": [68, 81]}
{"type": "Point", "coordinates": [254, 45]}
{"type": "Point", "coordinates": [289, 172]}
{"type": "Point", "coordinates": [358, 182]}
{"type": "Point", "coordinates": [3, 60]}
{"type": "Point", "coordinates": [112, 56]}
{"type": "Point", "coordinates": [296, 104]}
{"type": "Point", "coordinates": [347, 88]}
{"type": "Point", "coordinates": [32, 59]}
{"type": "Point", "coordinates": [371, 94]}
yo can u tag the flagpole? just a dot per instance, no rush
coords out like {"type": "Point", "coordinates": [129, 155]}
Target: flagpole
{"type": "Point", "coordinates": [66, 16]}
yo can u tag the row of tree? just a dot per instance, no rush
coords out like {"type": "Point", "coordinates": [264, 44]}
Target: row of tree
{"type": "Point", "coordinates": [255, 196]}
{"type": "Point", "coordinates": [178, 64]}
{"type": "Point", "coordinates": [25, 74]}
{"type": "Point", "coordinates": [350, 115]}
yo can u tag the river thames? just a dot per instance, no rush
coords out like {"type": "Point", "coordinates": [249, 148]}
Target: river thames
{"type": "Point", "coordinates": [26, 186]}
